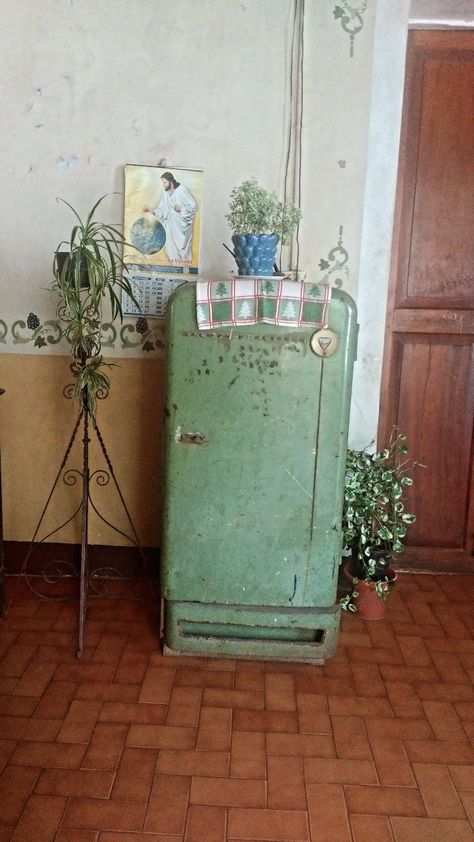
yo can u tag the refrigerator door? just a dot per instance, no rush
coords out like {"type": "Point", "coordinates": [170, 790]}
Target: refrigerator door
{"type": "Point", "coordinates": [255, 445]}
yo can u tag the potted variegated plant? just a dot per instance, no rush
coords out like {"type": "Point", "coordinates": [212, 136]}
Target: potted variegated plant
{"type": "Point", "coordinates": [259, 220]}
{"type": "Point", "coordinates": [375, 520]}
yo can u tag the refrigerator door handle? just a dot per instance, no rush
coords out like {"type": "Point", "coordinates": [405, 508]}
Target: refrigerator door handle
{"type": "Point", "coordinates": [191, 438]}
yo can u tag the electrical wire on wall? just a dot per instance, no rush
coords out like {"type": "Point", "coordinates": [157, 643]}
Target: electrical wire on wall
{"type": "Point", "coordinates": [293, 158]}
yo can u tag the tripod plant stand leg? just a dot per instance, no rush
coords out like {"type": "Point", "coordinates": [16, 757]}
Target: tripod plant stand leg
{"type": "Point", "coordinates": [87, 417]}
{"type": "Point", "coordinates": [84, 570]}
{"type": "Point", "coordinates": [135, 539]}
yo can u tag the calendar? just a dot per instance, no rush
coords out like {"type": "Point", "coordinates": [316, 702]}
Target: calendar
{"type": "Point", "coordinates": [151, 289]}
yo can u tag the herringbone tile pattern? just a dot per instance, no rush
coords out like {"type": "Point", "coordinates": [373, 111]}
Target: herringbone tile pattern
{"type": "Point", "coordinates": [129, 746]}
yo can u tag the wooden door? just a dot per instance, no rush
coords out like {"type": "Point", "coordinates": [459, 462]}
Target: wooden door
{"type": "Point", "coordinates": [428, 372]}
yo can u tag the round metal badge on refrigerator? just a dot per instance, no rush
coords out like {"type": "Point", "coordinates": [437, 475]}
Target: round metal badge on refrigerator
{"type": "Point", "coordinates": [324, 342]}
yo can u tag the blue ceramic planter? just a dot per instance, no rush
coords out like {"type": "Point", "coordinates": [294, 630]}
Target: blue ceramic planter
{"type": "Point", "coordinates": [255, 253]}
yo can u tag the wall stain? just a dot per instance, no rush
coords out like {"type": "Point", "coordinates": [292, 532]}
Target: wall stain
{"type": "Point", "coordinates": [66, 163]}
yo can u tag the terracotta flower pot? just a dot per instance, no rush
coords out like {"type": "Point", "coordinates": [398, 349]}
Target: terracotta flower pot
{"type": "Point", "coordinates": [369, 604]}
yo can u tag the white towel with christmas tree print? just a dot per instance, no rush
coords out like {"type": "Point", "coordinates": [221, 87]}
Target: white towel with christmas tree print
{"type": "Point", "coordinates": [252, 301]}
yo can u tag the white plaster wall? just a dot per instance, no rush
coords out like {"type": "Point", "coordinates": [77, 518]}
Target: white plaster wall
{"type": "Point", "coordinates": [388, 73]}
{"type": "Point", "coordinates": [335, 131]}
{"type": "Point", "coordinates": [446, 13]}
{"type": "Point", "coordinates": [89, 85]}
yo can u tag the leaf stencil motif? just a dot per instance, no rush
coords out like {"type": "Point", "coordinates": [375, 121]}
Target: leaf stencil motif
{"type": "Point", "coordinates": [351, 19]}
{"type": "Point", "coordinates": [336, 264]}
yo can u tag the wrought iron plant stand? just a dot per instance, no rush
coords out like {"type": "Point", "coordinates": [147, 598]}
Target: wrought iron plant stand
{"type": "Point", "coordinates": [2, 551]}
{"type": "Point", "coordinates": [88, 270]}
{"type": "Point", "coordinates": [88, 579]}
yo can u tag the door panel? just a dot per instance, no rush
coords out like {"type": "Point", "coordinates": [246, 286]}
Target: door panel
{"type": "Point", "coordinates": [442, 263]}
{"type": "Point", "coordinates": [428, 374]}
{"type": "Point", "coordinates": [424, 367]}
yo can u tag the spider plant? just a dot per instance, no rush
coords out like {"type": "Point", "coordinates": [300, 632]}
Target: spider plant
{"type": "Point", "coordinates": [89, 270]}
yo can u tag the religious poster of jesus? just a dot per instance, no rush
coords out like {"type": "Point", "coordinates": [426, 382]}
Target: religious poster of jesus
{"type": "Point", "coordinates": [162, 217]}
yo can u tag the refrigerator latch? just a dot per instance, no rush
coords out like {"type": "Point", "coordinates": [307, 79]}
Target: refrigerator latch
{"type": "Point", "coordinates": [191, 438]}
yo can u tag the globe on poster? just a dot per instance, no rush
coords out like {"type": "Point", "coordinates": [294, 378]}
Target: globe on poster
{"type": "Point", "coordinates": [147, 234]}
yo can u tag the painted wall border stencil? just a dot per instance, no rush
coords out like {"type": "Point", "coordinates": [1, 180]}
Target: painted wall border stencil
{"type": "Point", "coordinates": [140, 335]}
{"type": "Point", "coordinates": [351, 19]}
{"type": "Point", "coordinates": [336, 262]}
{"type": "Point", "coordinates": [143, 334]}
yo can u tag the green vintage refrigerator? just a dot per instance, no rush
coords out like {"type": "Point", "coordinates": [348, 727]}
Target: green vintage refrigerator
{"type": "Point", "coordinates": [255, 447]}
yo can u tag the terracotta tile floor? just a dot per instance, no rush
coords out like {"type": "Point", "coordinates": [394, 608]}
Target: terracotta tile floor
{"type": "Point", "coordinates": [128, 746]}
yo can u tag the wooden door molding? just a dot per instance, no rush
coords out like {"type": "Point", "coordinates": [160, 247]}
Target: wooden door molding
{"type": "Point", "coordinates": [428, 371]}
